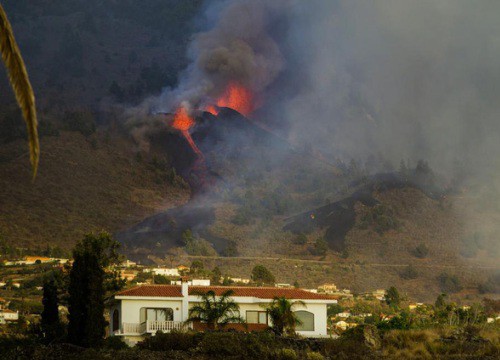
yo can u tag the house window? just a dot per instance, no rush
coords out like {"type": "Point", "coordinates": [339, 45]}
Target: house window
{"type": "Point", "coordinates": [157, 314]}
{"type": "Point", "coordinates": [307, 320]}
{"type": "Point", "coordinates": [256, 317]}
{"type": "Point", "coordinates": [115, 321]}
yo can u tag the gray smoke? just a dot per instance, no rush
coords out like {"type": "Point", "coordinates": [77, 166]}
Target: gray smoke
{"type": "Point", "coordinates": [238, 48]}
{"type": "Point", "coordinates": [393, 79]}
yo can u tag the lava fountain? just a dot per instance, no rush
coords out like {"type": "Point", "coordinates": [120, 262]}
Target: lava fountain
{"type": "Point", "coordinates": [236, 97]}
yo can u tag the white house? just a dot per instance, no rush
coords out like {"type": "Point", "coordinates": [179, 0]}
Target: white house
{"type": "Point", "coordinates": [9, 315]}
{"type": "Point", "coordinates": [195, 282]}
{"type": "Point", "coordinates": [143, 310]}
{"type": "Point", "coordinates": [164, 271]}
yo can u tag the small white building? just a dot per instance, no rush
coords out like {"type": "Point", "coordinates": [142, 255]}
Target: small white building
{"type": "Point", "coordinates": [240, 280]}
{"type": "Point", "coordinates": [144, 310]}
{"type": "Point", "coordinates": [9, 315]}
{"type": "Point", "coordinates": [344, 314]}
{"type": "Point", "coordinates": [194, 282]}
{"type": "Point", "coordinates": [163, 271]}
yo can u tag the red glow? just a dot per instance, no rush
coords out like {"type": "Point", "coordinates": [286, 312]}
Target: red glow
{"type": "Point", "coordinates": [190, 140]}
{"type": "Point", "coordinates": [182, 121]}
{"type": "Point", "coordinates": [236, 97]}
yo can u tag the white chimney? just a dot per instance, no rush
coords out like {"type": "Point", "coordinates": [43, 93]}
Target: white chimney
{"type": "Point", "coordinates": [185, 295]}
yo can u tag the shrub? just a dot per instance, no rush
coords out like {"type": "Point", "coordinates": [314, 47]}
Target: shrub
{"type": "Point", "coordinates": [380, 217]}
{"type": "Point", "coordinates": [421, 251]}
{"type": "Point", "coordinates": [286, 354]}
{"type": "Point", "coordinates": [449, 283]}
{"type": "Point", "coordinates": [247, 346]}
{"type": "Point", "coordinates": [115, 343]}
{"type": "Point", "coordinates": [300, 239]}
{"type": "Point", "coordinates": [314, 356]}
{"type": "Point", "coordinates": [409, 273]}
{"type": "Point", "coordinates": [175, 340]}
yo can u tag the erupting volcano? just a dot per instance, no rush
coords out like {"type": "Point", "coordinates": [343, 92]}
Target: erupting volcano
{"type": "Point", "coordinates": [235, 97]}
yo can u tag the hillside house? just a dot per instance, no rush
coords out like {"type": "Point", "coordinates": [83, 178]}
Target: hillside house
{"type": "Point", "coordinates": [7, 315]}
{"type": "Point", "coordinates": [163, 271]}
{"type": "Point", "coordinates": [143, 310]}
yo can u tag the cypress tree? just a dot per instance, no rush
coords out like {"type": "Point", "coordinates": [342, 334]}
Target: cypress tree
{"type": "Point", "coordinates": [51, 326]}
{"type": "Point", "coordinates": [87, 288]}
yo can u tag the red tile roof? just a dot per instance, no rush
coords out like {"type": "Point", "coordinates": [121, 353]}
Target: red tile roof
{"type": "Point", "coordinates": [258, 292]}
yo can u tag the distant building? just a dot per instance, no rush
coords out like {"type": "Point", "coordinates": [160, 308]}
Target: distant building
{"type": "Point", "coordinates": [413, 306]}
{"type": "Point", "coordinates": [194, 282]}
{"type": "Point", "coordinates": [379, 294]}
{"type": "Point", "coordinates": [164, 271]}
{"type": "Point", "coordinates": [344, 314]}
{"type": "Point", "coordinates": [127, 263]}
{"type": "Point", "coordinates": [283, 285]}
{"type": "Point", "coordinates": [9, 315]}
{"type": "Point", "coordinates": [240, 280]}
{"type": "Point", "coordinates": [16, 285]}
{"type": "Point", "coordinates": [327, 288]}
{"type": "Point", "coordinates": [128, 275]}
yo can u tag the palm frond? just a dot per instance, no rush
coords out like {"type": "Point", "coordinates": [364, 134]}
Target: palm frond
{"type": "Point", "coordinates": [19, 80]}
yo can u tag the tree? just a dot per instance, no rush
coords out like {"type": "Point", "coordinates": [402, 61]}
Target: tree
{"type": "Point", "coordinates": [51, 326]}
{"type": "Point", "coordinates": [283, 318]}
{"type": "Point", "coordinates": [440, 302]}
{"type": "Point", "coordinates": [449, 283]}
{"type": "Point", "coordinates": [409, 273]}
{"type": "Point", "coordinates": [421, 251]}
{"type": "Point", "coordinates": [320, 247]}
{"type": "Point", "coordinates": [196, 266]}
{"type": "Point", "coordinates": [87, 288]}
{"type": "Point", "coordinates": [300, 239]}
{"type": "Point", "coordinates": [215, 311]}
{"type": "Point", "coordinates": [19, 80]}
{"type": "Point", "coordinates": [392, 297]}
{"type": "Point", "coordinates": [261, 275]}
{"type": "Point", "coordinates": [216, 275]}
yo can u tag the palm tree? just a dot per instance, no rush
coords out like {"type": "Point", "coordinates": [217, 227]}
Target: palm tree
{"type": "Point", "coordinates": [18, 77]}
{"type": "Point", "coordinates": [217, 312]}
{"type": "Point", "coordinates": [280, 311]}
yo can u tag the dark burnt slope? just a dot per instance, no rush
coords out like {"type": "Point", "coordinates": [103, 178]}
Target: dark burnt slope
{"type": "Point", "coordinates": [339, 217]}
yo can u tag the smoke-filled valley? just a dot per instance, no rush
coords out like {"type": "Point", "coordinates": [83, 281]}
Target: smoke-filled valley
{"type": "Point", "coordinates": [342, 141]}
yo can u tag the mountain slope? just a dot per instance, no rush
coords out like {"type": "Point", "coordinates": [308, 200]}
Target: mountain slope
{"type": "Point", "coordinates": [83, 185]}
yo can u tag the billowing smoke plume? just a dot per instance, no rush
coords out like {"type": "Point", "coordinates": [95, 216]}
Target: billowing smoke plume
{"type": "Point", "coordinates": [238, 48]}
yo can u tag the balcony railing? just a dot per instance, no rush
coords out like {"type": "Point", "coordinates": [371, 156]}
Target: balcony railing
{"type": "Point", "coordinates": [151, 327]}
{"type": "Point", "coordinates": [166, 326]}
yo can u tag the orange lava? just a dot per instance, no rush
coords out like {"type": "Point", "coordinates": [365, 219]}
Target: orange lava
{"type": "Point", "coordinates": [236, 97]}
{"type": "Point", "coordinates": [182, 121]}
{"type": "Point", "coordinates": [191, 142]}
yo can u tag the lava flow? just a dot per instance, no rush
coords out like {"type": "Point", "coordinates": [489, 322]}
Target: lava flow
{"type": "Point", "coordinates": [183, 122]}
{"type": "Point", "coordinates": [236, 97]}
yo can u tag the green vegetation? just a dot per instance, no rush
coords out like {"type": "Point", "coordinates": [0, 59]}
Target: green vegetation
{"type": "Point", "coordinates": [421, 251]}
{"type": "Point", "coordinates": [50, 323]}
{"type": "Point", "coordinates": [409, 273]}
{"type": "Point", "coordinates": [87, 288]}
{"type": "Point", "coordinates": [261, 275]}
{"type": "Point", "coordinates": [216, 312]}
{"type": "Point", "coordinates": [449, 283]}
{"type": "Point", "coordinates": [380, 217]}
{"type": "Point", "coordinates": [392, 297]}
{"type": "Point", "coordinates": [282, 315]}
